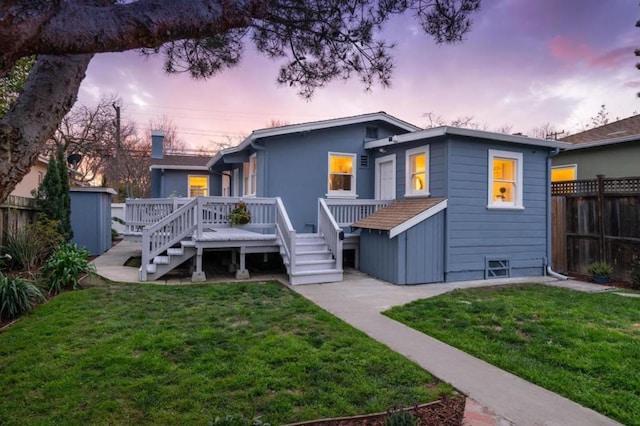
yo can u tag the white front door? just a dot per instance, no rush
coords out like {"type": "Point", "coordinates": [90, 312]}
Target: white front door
{"type": "Point", "coordinates": [386, 178]}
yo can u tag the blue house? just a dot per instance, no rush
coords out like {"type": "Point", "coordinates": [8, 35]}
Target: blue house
{"type": "Point", "coordinates": [416, 206]}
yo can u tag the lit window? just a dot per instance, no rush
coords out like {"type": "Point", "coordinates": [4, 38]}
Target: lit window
{"type": "Point", "coordinates": [505, 179]}
{"type": "Point", "coordinates": [417, 173]}
{"type": "Point", "coordinates": [342, 175]}
{"type": "Point", "coordinates": [198, 186]}
{"type": "Point", "coordinates": [561, 173]}
{"type": "Point", "coordinates": [249, 175]}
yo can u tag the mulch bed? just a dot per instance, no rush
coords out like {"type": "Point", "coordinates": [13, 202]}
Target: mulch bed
{"type": "Point", "coordinates": [445, 412]}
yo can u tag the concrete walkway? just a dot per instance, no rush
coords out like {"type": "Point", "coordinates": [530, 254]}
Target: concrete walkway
{"type": "Point", "coordinates": [497, 397]}
{"type": "Point", "coordinates": [359, 299]}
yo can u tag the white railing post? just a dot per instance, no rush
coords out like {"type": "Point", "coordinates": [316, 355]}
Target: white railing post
{"type": "Point", "coordinates": [199, 217]}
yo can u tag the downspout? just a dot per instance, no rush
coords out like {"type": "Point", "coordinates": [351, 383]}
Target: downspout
{"type": "Point", "coordinates": [547, 260]}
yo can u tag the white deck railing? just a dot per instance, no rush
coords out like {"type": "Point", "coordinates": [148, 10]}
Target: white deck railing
{"type": "Point", "coordinates": [214, 212]}
{"type": "Point", "coordinates": [331, 231]}
{"type": "Point", "coordinates": [286, 234]}
{"type": "Point", "coordinates": [169, 230]}
{"type": "Point", "coordinates": [147, 211]}
{"type": "Point", "coordinates": [348, 212]}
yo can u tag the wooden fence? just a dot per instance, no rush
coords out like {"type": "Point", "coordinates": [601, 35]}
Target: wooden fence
{"type": "Point", "coordinates": [15, 213]}
{"type": "Point", "coordinates": [596, 220]}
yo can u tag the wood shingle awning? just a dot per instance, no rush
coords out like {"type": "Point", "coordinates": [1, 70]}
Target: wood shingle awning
{"type": "Point", "coordinates": [402, 215]}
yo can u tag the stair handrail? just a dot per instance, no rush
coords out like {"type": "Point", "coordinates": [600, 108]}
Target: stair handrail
{"type": "Point", "coordinates": [286, 234]}
{"type": "Point", "coordinates": [331, 231]}
{"type": "Point", "coordinates": [168, 231]}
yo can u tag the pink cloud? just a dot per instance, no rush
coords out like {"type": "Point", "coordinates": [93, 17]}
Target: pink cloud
{"type": "Point", "coordinates": [632, 84]}
{"type": "Point", "coordinates": [570, 50]}
{"type": "Point", "coordinates": [612, 58]}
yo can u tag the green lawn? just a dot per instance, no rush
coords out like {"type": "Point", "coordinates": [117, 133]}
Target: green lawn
{"type": "Point", "coordinates": [583, 346]}
{"type": "Point", "coordinates": [135, 354]}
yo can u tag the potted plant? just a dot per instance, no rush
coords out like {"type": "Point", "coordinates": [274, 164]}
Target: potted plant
{"type": "Point", "coordinates": [240, 215]}
{"type": "Point", "coordinates": [600, 271]}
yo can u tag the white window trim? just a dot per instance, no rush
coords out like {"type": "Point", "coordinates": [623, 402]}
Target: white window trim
{"type": "Point", "coordinates": [235, 185]}
{"type": "Point", "coordinates": [341, 193]}
{"type": "Point", "coordinates": [225, 177]}
{"type": "Point", "coordinates": [567, 166]}
{"type": "Point", "coordinates": [250, 182]}
{"type": "Point", "coordinates": [517, 204]}
{"type": "Point", "coordinates": [408, 187]}
{"type": "Point", "coordinates": [189, 185]}
{"type": "Point", "coordinates": [379, 161]}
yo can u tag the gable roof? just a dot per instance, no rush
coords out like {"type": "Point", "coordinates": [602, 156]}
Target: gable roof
{"type": "Point", "coordinates": [180, 162]}
{"type": "Point", "coordinates": [625, 130]}
{"type": "Point", "coordinates": [314, 125]}
{"type": "Point", "coordinates": [459, 131]}
{"type": "Point", "coordinates": [401, 215]}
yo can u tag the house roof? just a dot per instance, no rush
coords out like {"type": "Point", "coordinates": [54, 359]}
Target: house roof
{"type": "Point", "coordinates": [625, 130]}
{"type": "Point", "coordinates": [180, 162]}
{"type": "Point", "coordinates": [314, 125]}
{"type": "Point", "coordinates": [458, 131]}
{"type": "Point", "coordinates": [402, 215]}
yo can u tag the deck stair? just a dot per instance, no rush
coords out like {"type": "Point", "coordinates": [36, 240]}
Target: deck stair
{"type": "Point", "coordinates": [171, 259]}
{"type": "Point", "coordinates": [314, 262]}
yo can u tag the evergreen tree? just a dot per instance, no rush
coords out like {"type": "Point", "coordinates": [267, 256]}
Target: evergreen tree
{"type": "Point", "coordinates": [65, 202]}
{"type": "Point", "coordinates": [52, 197]}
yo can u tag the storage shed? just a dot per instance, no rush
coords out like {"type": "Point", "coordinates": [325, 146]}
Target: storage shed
{"type": "Point", "coordinates": [403, 243]}
{"type": "Point", "coordinates": [91, 218]}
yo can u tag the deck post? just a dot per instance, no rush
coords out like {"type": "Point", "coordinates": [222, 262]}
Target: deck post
{"type": "Point", "coordinates": [198, 275]}
{"type": "Point", "coordinates": [242, 273]}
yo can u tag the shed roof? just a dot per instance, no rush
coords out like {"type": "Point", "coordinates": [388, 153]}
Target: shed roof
{"type": "Point", "coordinates": [181, 162]}
{"type": "Point", "coordinates": [402, 215]}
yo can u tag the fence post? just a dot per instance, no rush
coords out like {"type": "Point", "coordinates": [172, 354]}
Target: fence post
{"type": "Point", "coordinates": [600, 203]}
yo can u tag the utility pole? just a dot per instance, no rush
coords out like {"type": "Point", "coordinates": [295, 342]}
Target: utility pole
{"type": "Point", "coordinates": [118, 151]}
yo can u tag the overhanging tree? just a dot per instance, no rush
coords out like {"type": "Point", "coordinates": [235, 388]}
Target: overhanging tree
{"type": "Point", "coordinates": [317, 41]}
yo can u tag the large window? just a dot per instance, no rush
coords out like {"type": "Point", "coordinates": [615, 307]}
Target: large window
{"type": "Point", "coordinates": [342, 175]}
{"type": "Point", "coordinates": [250, 175]}
{"type": "Point", "coordinates": [417, 172]}
{"type": "Point", "coordinates": [198, 186]}
{"type": "Point", "coordinates": [560, 173]}
{"type": "Point", "coordinates": [505, 179]}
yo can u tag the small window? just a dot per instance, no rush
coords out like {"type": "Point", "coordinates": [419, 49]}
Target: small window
{"type": "Point", "coordinates": [198, 186]}
{"type": "Point", "coordinates": [371, 132]}
{"type": "Point", "coordinates": [417, 172]}
{"type": "Point", "coordinates": [505, 180]}
{"type": "Point", "coordinates": [342, 175]}
{"type": "Point", "coordinates": [250, 175]}
{"type": "Point", "coordinates": [562, 173]}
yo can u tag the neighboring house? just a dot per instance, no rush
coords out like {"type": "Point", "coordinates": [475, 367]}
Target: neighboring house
{"type": "Point", "coordinates": [468, 204]}
{"type": "Point", "coordinates": [612, 150]}
{"type": "Point", "coordinates": [180, 175]}
{"type": "Point", "coordinates": [32, 180]}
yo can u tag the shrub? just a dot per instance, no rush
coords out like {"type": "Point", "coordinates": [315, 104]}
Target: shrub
{"type": "Point", "coordinates": [230, 420]}
{"type": "Point", "coordinates": [25, 248]}
{"type": "Point", "coordinates": [65, 267]}
{"type": "Point", "coordinates": [240, 215]}
{"type": "Point", "coordinates": [17, 296]}
{"type": "Point", "coordinates": [635, 272]}
{"type": "Point", "coordinates": [602, 269]}
{"type": "Point", "coordinates": [30, 245]}
{"type": "Point", "coordinates": [399, 418]}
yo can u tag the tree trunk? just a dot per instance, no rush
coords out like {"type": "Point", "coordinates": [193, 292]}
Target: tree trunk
{"type": "Point", "coordinates": [48, 95]}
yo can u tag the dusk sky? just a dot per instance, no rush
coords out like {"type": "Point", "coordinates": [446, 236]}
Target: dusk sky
{"type": "Point", "coordinates": [524, 63]}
